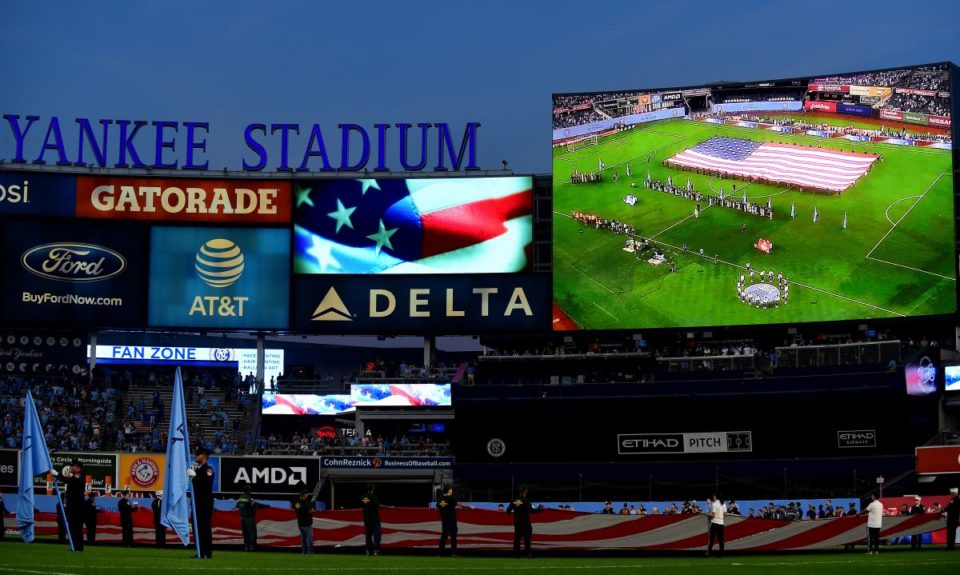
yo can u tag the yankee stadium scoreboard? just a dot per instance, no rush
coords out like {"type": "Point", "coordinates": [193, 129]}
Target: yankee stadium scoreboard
{"type": "Point", "coordinates": [384, 255]}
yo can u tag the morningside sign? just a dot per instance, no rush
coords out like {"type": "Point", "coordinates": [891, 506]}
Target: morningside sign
{"type": "Point", "coordinates": [114, 143]}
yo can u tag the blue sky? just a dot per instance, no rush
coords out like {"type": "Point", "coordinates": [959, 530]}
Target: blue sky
{"type": "Point", "coordinates": [493, 61]}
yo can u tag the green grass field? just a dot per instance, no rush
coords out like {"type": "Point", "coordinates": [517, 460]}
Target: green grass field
{"type": "Point", "coordinates": [40, 558]}
{"type": "Point", "coordinates": [896, 258]}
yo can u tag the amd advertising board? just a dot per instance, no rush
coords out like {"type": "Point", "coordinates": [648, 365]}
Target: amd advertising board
{"type": "Point", "coordinates": [773, 202]}
{"type": "Point", "coordinates": [269, 474]}
{"type": "Point", "coordinates": [73, 273]}
{"type": "Point", "coordinates": [219, 277]}
{"type": "Point", "coordinates": [413, 255]}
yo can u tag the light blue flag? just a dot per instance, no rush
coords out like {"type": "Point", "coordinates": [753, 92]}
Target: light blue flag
{"type": "Point", "coordinates": [175, 506]}
{"type": "Point", "coordinates": [34, 461]}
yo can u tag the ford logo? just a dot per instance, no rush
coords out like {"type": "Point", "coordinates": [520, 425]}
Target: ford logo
{"type": "Point", "coordinates": [70, 262]}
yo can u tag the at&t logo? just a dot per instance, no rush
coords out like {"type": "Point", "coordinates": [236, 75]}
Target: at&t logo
{"type": "Point", "coordinates": [219, 264]}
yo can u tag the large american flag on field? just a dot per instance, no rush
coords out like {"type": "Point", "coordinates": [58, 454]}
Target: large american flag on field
{"type": "Point", "coordinates": [801, 166]}
{"type": "Point", "coordinates": [429, 225]}
{"type": "Point", "coordinates": [413, 528]}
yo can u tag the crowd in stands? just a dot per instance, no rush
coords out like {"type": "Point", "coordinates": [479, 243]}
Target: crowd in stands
{"type": "Point", "coordinates": [888, 78]}
{"type": "Point", "coordinates": [739, 96]}
{"type": "Point", "coordinates": [76, 414]}
{"type": "Point", "coordinates": [934, 106]}
{"type": "Point", "coordinates": [576, 118]}
{"type": "Point", "coordinates": [803, 125]}
{"type": "Point", "coordinates": [144, 425]}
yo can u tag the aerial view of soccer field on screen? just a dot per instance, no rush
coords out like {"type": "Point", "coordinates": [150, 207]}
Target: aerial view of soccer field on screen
{"type": "Point", "coordinates": [828, 198]}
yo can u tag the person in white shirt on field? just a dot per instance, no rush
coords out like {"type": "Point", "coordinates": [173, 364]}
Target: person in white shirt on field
{"type": "Point", "coordinates": [874, 513]}
{"type": "Point", "coordinates": [718, 512]}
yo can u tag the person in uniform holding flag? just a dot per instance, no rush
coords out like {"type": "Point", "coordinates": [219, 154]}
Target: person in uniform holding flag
{"type": "Point", "coordinates": [74, 504]}
{"type": "Point", "coordinates": [247, 507]}
{"type": "Point", "coordinates": [159, 531]}
{"type": "Point", "coordinates": [521, 508]}
{"type": "Point", "coordinates": [952, 513]}
{"type": "Point", "coordinates": [90, 517]}
{"type": "Point", "coordinates": [126, 518]}
{"type": "Point", "coordinates": [371, 520]}
{"type": "Point", "coordinates": [202, 476]}
{"type": "Point", "coordinates": [304, 510]}
{"type": "Point", "coordinates": [447, 507]}
{"type": "Point", "coordinates": [3, 512]}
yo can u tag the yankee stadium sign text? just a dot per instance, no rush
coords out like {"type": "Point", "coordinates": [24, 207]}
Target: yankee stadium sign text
{"type": "Point", "coordinates": [111, 143]}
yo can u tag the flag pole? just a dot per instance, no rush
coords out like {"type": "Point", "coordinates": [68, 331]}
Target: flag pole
{"type": "Point", "coordinates": [193, 507]}
{"type": "Point", "coordinates": [63, 513]}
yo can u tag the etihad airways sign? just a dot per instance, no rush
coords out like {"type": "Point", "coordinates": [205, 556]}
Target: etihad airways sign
{"type": "Point", "coordinates": [188, 200]}
{"type": "Point", "coordinates": [449, 304]}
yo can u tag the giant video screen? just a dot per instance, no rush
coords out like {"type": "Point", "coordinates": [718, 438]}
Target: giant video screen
{"type": "Point", "coordinates": [784, 201]}
{"type": "Point", "coordinates": [413, 226]}
{"type": "Point", "coordinates": [361, 395]}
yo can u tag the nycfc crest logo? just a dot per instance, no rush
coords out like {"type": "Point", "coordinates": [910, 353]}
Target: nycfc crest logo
{"type": "Point", "coordinates": [144, 472]}
{"type": "Point", "coordinates": [496, 447]}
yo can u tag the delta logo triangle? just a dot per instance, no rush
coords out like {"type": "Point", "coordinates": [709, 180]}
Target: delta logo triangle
{"type": "Point", "coordinates": [331, 308]}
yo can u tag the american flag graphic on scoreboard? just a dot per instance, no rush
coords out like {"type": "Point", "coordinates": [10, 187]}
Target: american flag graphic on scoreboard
{"type": "Point", "coordinates": [801, 166]}
{"type": "Point", "coordinates": [428, 225]}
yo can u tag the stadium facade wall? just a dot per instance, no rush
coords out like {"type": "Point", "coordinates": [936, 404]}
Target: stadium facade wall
{"type": "Point", "coordinates": [630, 120]}
{"type": "Point", "coordinates": [582, 423]}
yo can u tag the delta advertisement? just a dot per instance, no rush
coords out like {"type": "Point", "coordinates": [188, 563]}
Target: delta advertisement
{"type": "Point", "coordinates": [377, 304]}
{"type": "Point", "coordinates": [32, 194]}
{"type": "Point", "coordinates": [225, 278]}
{"type": "Point", "coordinates": [73, 273]}
{"type": "Point", "coordinates": [235, 201]}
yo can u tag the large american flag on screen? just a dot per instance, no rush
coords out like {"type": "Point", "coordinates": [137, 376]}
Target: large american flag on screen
{"type": "Point", "coordinates": [428, 225]}
{"type": "Point", "coordinates": [800, 166]}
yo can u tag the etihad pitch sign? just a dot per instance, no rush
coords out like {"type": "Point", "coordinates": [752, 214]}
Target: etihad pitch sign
{"type": "Point", "coordinates": [221, 201]}
{"type": "Point", "coordinates": [680, 443]}
{"type": "Point", "coordinates": [33, 194]}
{"type": "Point", "coordinates": [409, 304]}
{"type": "Point", "coordinates": [219, 277]}
{"type": "Point", "coordinates": [73, 273]}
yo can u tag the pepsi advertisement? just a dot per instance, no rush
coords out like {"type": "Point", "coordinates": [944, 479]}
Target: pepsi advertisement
{"type": "Point", "coordinates": [32, 194]}
{"type": "Point", "coordinates": [230, 278]}
{"type": "Point", "coordinates": [73, 274]}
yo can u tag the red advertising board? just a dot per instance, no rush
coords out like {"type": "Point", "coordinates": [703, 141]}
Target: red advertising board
{"type": "Point", "coordinates": [940, 459]}
{"type": "Point", "coordinates": [184, 200]}
{"type": "Point", "coordinates": [891, 114]}
{"type": "Point", "coordinates": [828, 88]}
{"type": "Point", "coordinates": [943, 121]}
{"type": "Point", "coordinates": [820, 106]}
